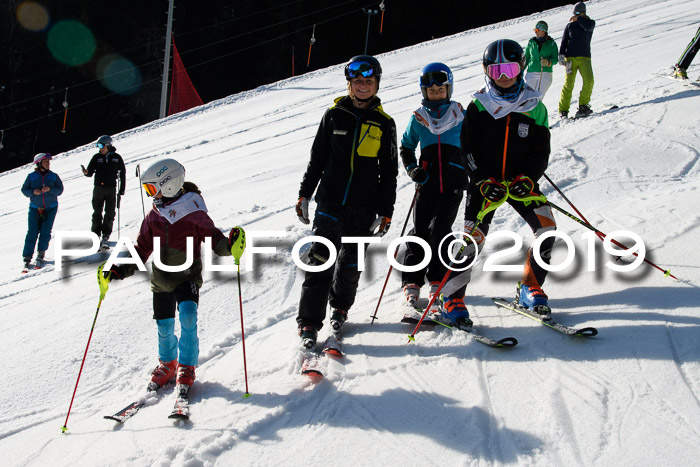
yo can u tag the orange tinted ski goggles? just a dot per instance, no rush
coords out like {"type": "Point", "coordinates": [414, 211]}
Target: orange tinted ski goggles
{"type": "Point", "coordinates": [151, 189]}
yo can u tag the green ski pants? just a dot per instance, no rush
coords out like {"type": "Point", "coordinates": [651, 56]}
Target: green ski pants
{"type": "Point", "coordinates": [578, 65]}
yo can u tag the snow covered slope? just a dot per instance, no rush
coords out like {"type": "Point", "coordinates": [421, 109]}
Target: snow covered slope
{"type": "Point", "coordinates": [630, 396]}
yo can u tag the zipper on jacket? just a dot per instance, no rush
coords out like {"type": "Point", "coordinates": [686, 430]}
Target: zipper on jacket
{"type": "Point", "coordinates": [505, 148]}
{"type": "Point", "coordinates": [355, 144]}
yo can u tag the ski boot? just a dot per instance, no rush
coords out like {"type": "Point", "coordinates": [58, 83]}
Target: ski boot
{"type": "Point", "coordinates": [40, 260]}
{"type": "Point", "coordinates": [338, 317]}
{"type": "Point", "coordinates": [436, 307]}
{"type": "Point", "coordinates": [455, 312]}
{"type": "Point", "coordinates": [27, 262]}
{"type": "Point", "coordinates": [308, 335]}
{"type": "Point", "coordinates": [563, 114]}
{"type": "Point", "coordinates": [583, 111]}
{"type": "Point", "coordinates": [411, 292]}
{"type": "Point", "coordinates": [534, 299]}
{"type": "Point", "coordinates": [163, 374]}
{"type": "Point", "coordinates": [104, 243]}
{"type": "Point", "coordinates": [185, 375]}
{"type": "Point", "coordinates": [680, 73]}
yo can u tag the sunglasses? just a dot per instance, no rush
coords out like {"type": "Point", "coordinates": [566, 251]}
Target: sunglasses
{"type": "Point", "coordinates": [151, 189]}
{"type": "Point", "coordinates": [357, 69]}
{"type": "Point", "coordinates": [438, 78]}
{"type": "Point", "coordinates": [497, 70]}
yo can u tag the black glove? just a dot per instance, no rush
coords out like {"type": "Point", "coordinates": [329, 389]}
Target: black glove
{"type": "Point", "coordinates": [418, 175]}
{"type": "Point", "coordinates": [521, 186]}
{"type": "Point", "coordinates": [492, 189]}
{"type": "Point", "coordinates": [115, 272]}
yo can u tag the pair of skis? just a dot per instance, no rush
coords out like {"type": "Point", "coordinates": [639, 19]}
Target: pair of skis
{"type": "Point", "coordinates": [435, 319]}
{"type": "Point", "coordinates": [311, 365]}
{"type": "Point", "coordinates": [507, 342]}
{"type": "Point", "coordinates": [181, 410]}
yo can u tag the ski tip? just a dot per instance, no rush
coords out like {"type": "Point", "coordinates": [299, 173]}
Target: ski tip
{"type": "Point", "coordinates": [586, 332]}
{"type": "Point", "coordinates": [507, 342]}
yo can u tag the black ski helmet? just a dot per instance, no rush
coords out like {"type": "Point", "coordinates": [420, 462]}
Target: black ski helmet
{"type": "Point", "coordinates": [104, 139]}
{"type": "Point", "coordinates": [504, 51]}
{"type": "Point", "coordinates": [580, 8]}
{"type": "Point", "coordinates": [363, 65]}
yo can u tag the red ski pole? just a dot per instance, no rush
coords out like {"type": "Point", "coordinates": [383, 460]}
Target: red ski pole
{"type": "Point", "coordinates": [104, 286]}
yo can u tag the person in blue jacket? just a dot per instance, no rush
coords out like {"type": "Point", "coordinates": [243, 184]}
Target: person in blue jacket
{"type": "Point", "coordinates": [42, 187]}
{"type": "Point", "coordinates": [440, 176]}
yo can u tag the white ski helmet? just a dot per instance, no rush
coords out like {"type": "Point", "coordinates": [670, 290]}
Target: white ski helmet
{"type": "Point", "coordinates": [166, 176]}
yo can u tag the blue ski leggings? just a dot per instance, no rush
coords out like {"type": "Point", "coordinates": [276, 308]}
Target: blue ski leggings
{"type": "Point", "coordinates": [188, 345]}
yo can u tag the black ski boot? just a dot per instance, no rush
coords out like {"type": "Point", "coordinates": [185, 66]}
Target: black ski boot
{"type": "Point", "coordinates": [308, 335]}
{"type": "Point", "coordinates": [338, 318]}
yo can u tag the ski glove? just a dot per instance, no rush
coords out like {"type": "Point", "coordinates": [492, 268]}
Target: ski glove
{"type": "Point", "coordinates": [418, 175]}
{"type": "Point", "coordinates": [545, 62]}
{"type": "Point", "coordinates": [562, 59]}
{"type": "Point", "coordinates": [493, 190]}
{"type": "Point", "coordinates": [383, 224]}
{"type": "Point", "coordinates": [302, 209]}
{"type": "Point", "coordinates": [236, 243]}
{"type": "Point", "coordinates": [521, 186]}
{"type": "Point", "coordinates": [115, 272]}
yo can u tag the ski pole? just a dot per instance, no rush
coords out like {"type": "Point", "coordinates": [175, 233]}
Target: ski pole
{"type": "Point", "coordinates": [237, 241]}
{"type": "Point", "coordinates": [104, 286]}
{"type": "Point", "coordinates": [138, 174]}
{"type": "Point", "coordinates": [119, 202]}
{"type": "Point", "coordinates": [568, 201]}
{"type": "Point", "coordinates": [396, 251]}
{"type": "Point", "coordinates": [667, 272]}
{"type": "Point", "coordinates": [487, 207]}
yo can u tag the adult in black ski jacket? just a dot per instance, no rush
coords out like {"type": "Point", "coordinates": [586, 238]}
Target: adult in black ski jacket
{"type": "Point", "coordinates": [108, 168]}
{"type": "Point", "coordinates": [354, 163]}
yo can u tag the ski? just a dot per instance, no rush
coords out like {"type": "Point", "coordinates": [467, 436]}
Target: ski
{"type": "Point", "coordinates": [687, 82]}
{"type": "Point", "coordinates": [551, 323]}
{"type": "Point", "coordinates": [435, 320]}
{"type": "Point", "coordinates": [332, 346]}
{"type": "Point", "coordinates": [130, 410]}
{"type": "Point", "coordinates": [181, 410]}
{"type": "Point", "coordinates": [311, 363]}
{"type": "Point", "coordinates": [127, 412]}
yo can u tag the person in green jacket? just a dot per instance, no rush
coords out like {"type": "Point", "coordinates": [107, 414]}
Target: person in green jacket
{"type": "Point", "coordinates": [541, 53]}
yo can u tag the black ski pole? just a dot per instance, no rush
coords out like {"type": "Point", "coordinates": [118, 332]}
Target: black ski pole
{"type": "Point", "coordinates": [119, 202]}
{"type": "Point", "coordinates": [396, 251]}
{"type": "Point", "coordinates": [104, 286]}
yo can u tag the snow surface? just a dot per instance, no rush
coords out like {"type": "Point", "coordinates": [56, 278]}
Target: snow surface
{"type": "Point", "coordinates": [630, 396]}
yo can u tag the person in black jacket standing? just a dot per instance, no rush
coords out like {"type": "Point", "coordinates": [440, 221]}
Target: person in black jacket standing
{"type": "Point", "coordinates": [506, 141]}
{"type": "Point", "coordinates": [354, 163]}
{"type": "Point", "coordinates": [575, 54]}
{"type": "Point", "coordinates": [108, 168]}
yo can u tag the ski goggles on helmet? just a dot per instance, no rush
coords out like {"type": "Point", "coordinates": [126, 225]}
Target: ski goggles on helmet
{"type": "Point", "coordinates": [497, 70]}
{"type": "Point", "coordinates": [151, 189]}
{"type": "Point", "coordinates": [100, 145]}
{"type": "Point", "coordinates": [438, 78]}
{"type": "Point", "coordinates": [359, 69]}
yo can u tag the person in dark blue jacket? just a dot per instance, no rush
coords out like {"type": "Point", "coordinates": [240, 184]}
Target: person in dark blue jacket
{"type": "Point", "coordinates": [42, 187]}
{"type": "Point", "coordinates": [440, 177]}
{"type": "Point", "coordinates": [575, 54]}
